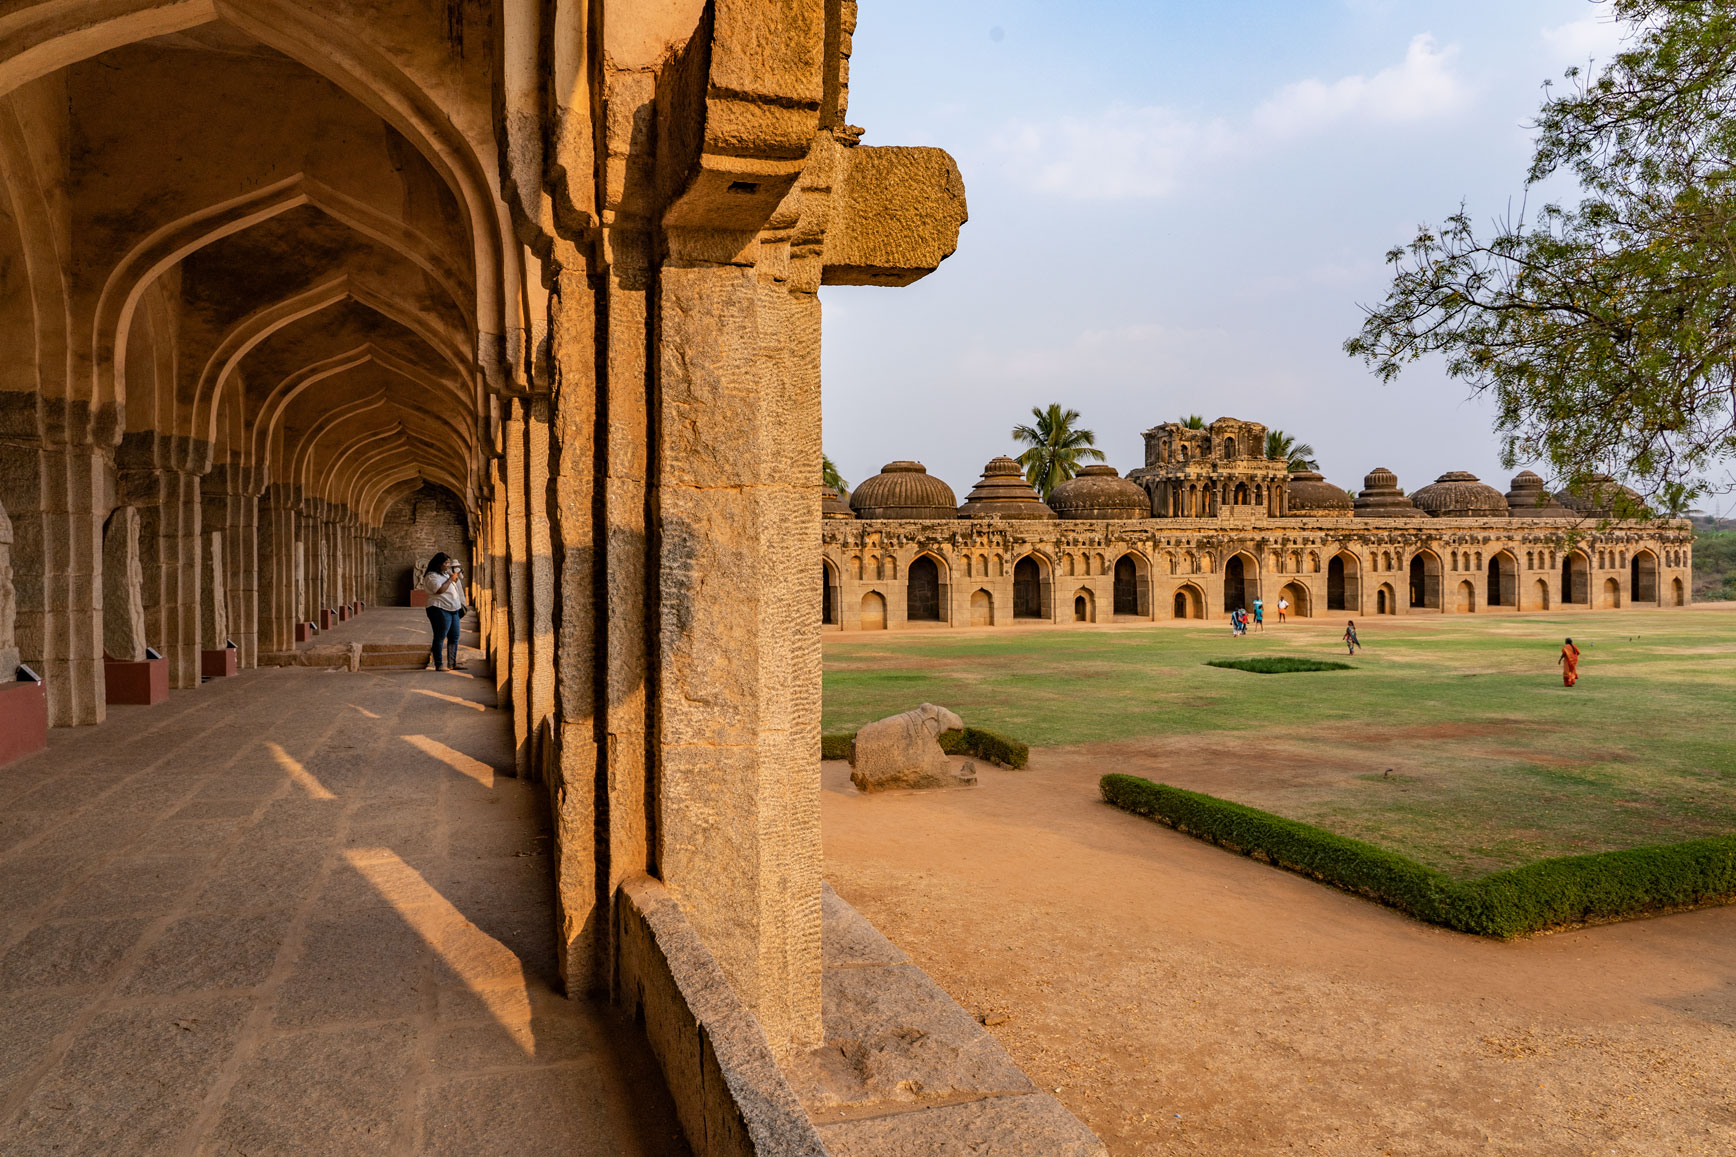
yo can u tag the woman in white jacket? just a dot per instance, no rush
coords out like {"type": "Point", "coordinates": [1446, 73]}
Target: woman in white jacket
{"type": "Point", "coordinates": [444, 583]}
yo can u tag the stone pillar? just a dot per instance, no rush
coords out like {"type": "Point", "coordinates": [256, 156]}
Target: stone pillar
{"type": "Point", "coordinates": [8, 604]}
{"type": "Point", "coordinates": [123, 604]}
{"type": "Point", "coordinates": [308, 525]}
{"type": "Point", "coordinates": [279, 603]}
{"type": "Point", "coordinates": [518, 582]}
{"type": "Point", "coordinates": [539, 547]}
{"type": "Point", "coordinates": [152, 478]}
{"type": "Point", "coordinates": [213, 595]}
{"type": "Point", "coordinates": [739, 661]}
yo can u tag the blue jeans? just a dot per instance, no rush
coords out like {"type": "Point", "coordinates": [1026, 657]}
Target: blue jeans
{"type": "Point", "coordinates": [445, 625]}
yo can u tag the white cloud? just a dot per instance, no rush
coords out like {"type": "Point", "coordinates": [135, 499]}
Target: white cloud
{"type": "Point", "coordinates": [1422, 87]}
{"type": "Point", "coordinates": [1592, 38]}
{"type": "Point", "coordinates": [1128, 152]}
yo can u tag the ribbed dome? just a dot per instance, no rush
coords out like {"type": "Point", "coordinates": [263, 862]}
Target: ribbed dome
{"type": "Point", "coordinates": [1458, 494]}
{"type": "Point", "coordinates": [1099, 492]}
{"type": "Point", "coordinates": [904, 490]}
{"type": "Point", "coordinates": [1381, 497]}
{"type": "Point", "coordinates": [1310, 493]}
{"type": "Point", "coordinates": [1597, 496]}
{"type": "Point", "coordinates": [835, 504]}
{"type": "Point", "coordinates": [1528, 499]}
{"type": "Point", "coordinates": [1003, 493]}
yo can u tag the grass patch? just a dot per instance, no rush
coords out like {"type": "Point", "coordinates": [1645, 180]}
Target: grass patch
{"type": "Point", "coordinates": [1279, 665]}
{"type": "Point", "coordinates": [1493, 763]}
{"type": "Point", "coordinates": [1547, 894]}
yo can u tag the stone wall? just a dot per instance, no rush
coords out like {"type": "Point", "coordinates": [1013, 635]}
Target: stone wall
{"type": "Point", "coordinates": [424, 521]}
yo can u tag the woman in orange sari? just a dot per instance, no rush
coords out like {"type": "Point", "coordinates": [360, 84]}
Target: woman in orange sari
{"type": "Point", "coordinates": [1569, 664]}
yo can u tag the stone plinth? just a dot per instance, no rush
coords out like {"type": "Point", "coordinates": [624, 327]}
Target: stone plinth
{"type": "Point", "coordinates": [326, 619]}
{"type": "Point", "coordinates": [219, 664]}
{"type": "Point", "coordinates": [23, 720]}
{"type": "Point", "coordinates": [304, 632]}
{"type": "Point", "coordinates": [418, 598]}
{"type": "Point", "coordinates": [136, 683]}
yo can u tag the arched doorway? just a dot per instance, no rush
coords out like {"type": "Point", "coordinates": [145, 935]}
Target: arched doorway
{"type": "Point", "coordinates": [1643, 578]}
{"type": "Point", "coordinates": [873, 611]}
{"type": "Point", "coordinates": [1542, 594]}
{"type": "Point", "coordinates": [1238, 589]}
{"type": "Point", "coordinates": [1385, 600]}
{"type": "Point", "coordinates": [1190, 603]}
{"type": "Point", "coordinates": [982, 609]}
{"type": "Point", "coordinates": [1611, 598]}
{"type": "Point", "coordinates": [1425, 581]}
{"type": "Point", "coordinates": [1127, 586]}
{"type": "Point", "coordinates": [828, 594]}
{"type": "Point", "coordinates": [1465, 599]}
{"type": "Point", "coordinates": [1297, 595]}
{"type": "Point", "coordinates": [922, 590]}
{"type": "Point", "coordinates": [1503, 580]}
{"type": "Point", "coordinates": [1343, 583]}
{"type": "Point", "coordinates": [1575, 579]}
{"type": "Point", "coordinates": [1029, 589]}
{"type": "Point", "coordinates": [1678, 593]}
{"type": "Point", "coordinates": [1084, 606]}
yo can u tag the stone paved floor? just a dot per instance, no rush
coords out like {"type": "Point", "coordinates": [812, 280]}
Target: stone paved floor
{"type": "Point", "coordinates": [298, 911]}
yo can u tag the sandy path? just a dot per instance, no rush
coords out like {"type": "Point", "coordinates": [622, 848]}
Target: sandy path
{"type": "Point", "coordinates": [1184, 1000]}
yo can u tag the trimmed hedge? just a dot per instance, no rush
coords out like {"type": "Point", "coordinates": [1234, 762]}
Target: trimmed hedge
{"type": "Point", "coordinates": [1279, 665]}
{"type": "Point", "coordinates": [974, 741]}
{"type": "Point", "coordinates": [1547, 894]}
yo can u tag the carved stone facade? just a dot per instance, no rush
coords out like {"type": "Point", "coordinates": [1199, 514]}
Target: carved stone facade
{"type": "Point", "coordinates": [1457, 545]}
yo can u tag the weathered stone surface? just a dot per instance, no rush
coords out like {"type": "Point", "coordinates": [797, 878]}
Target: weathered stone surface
{"type": "Point", "coordinates": [123, 606]}
{"type": "Point", "coordinates": [903, 751]}
{"type": "Point", "coordinates": [1033, 1125]}
{"type": "Point", "coordinates": [8, 604]}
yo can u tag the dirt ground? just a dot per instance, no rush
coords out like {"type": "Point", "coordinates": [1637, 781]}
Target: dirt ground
{"type": "Point", "coordinates": [1184, 1000]}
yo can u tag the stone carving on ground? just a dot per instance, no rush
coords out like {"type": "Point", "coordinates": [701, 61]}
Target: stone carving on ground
{"type": "Point", "coordinates": [123, 586]}
{"type": "Point", "coordinates": [904, 751]}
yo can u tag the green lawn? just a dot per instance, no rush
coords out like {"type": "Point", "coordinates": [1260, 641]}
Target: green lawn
{"type": "Point", "coordinates": [1451, 741]}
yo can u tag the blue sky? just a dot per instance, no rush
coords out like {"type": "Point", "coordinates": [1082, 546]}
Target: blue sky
{"type": "Point", "coordinates": [1177, 207]}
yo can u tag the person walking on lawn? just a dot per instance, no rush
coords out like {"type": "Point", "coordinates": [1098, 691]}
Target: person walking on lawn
{"type": "Point", "coordinates": [1569, 661]}
{"type": "Point", "coordinates": [1350, 640]}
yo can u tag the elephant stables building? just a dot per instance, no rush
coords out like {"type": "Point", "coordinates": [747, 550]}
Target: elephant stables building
{"type": "Point", "coordinates": [283, 280]}
{"type": "Point", "coordinates": [1209, 524]}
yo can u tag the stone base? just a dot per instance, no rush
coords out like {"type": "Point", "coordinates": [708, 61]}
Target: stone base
{"type": "Point", "coordinates": [219, 664]}
{"type": "Point", "coordinates": [418, 598]}
{"type": "Point", "coordinates": [904, 1069]}
{"type": "Point", "coordinates": [141, 683]}
{"type": "Point", "coordinates": [325, 619]}
{"type": "Point", "coordinates": [24, 719]}
{"type": "Point", "coordinates": [304, 632]}
{"type": "Point", "coordinates": [344, 613]}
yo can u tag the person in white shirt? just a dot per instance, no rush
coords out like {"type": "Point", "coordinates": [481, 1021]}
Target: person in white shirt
{"type": "Point", "coordinates": [444, 583]}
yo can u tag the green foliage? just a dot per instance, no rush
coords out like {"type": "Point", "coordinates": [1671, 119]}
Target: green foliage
{"type": "Point", "coordinates": [1297, 456]}
{"type": "Point", "coordinates": [1715, 564]}
{"type": "Point", "coordinates": [1279, 665]}
{"type": "Point", "coordinates": [972, 741]}
{"type": "Point", "coordinates": [1604, 331]}
{"type": "Point", "coordinates": [1193, 422]}
{"type": "Point", "coordinates": [1546, 894]}
{"type": "Point", "coordinates": [829, 475]}
{"type": "Point", "coordinates": [1057, 448]}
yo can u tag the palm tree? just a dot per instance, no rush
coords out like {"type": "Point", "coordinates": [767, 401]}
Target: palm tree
{"type": "Point", "coordinates": [1056, 448]}
{"type": "Point", "coordinates": [1297, 456]}
{"type": "Point", "coordinates": [829, 475]}
{"type": "Point", "coordinates": [1193, 422]}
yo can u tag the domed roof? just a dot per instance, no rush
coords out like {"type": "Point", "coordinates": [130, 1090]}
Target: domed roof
{"type": "Point", "coordinates": [835, 503]}
{"type": "Point", "coordinates": [1528, 499]}
{"type": "Point", "coordinates": [1599, 495]}
{"type": "Point", "coordinates": [1381, 498]}
{"type": "Point", "coordinates": [904, 490]}
{"type": "Point", "coordinates": [1003, 493]}
{"type": "Point", "coordinates": [1310, 493]}
{"type": "Point", "coordinates": [1458, 494]}
{"type": "Point", "coordinates": [1099, 492]}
